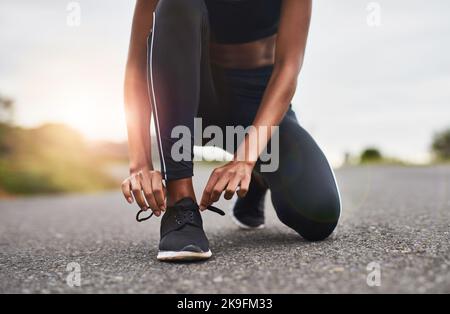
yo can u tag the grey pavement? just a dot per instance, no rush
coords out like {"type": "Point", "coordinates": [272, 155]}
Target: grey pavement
{"type": "Point", "coordinates": [398, 217]}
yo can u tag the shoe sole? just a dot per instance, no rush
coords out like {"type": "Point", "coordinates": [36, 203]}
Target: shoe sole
{"type": "Point", "coordinates": [242, 225]}
{"type": "Point", "coordinates": [180, 256]}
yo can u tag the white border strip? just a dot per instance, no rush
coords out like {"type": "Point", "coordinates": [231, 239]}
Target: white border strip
{"type": "Point", "coordinates": [152, 94]}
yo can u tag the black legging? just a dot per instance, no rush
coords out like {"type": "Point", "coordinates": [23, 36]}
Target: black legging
{"type": "Point", "coordinates": [183, 84]}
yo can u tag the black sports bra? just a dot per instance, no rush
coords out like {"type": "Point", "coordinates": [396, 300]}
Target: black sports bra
{"type": "Point", "coordinates": [241, 21]}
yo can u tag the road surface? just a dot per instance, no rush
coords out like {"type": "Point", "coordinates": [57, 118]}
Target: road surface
{"type": "Point", "coordinates": [395, 219]}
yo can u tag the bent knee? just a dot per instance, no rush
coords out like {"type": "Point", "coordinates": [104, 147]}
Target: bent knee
{"type": "Point", "coordinates": [314, 221]}
{"type": "Point", "coordinates": [316, 231]}
{"type": "Point", "coordinates": [325, 210]}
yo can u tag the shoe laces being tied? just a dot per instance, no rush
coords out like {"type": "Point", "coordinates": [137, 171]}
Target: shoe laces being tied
{"type": "Point", "coordinates": [181, 216]}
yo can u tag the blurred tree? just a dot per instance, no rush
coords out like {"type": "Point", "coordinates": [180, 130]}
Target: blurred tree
{"type": "Point", "coordinates": [441, 145]}
{"type": "Point", "coordinates": [6, 109]}
{"type": "Point", "coordinates": [370, 154]}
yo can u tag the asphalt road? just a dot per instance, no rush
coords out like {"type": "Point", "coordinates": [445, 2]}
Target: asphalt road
{"type": "Point", "coordinates": [397, 217]}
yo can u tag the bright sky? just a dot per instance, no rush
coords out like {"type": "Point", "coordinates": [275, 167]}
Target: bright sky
{"type": "Point", "coordinates": [387, 86]}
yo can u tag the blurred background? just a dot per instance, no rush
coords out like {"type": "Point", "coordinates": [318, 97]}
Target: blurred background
{"type": "Point", "coordinates": [375, 88]}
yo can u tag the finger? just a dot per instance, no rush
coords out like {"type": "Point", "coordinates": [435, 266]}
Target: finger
{"type": "Point", "coordinates": [218, 189]}
{"type": "Point", "coordinates": [126, 190]}
{"type": "Point", "coordinates": [245, 182]}
{"type": "Point", "coordinates": [208, 190]}
{"type": "Point", "coordinates": [158, 192]}
{"type": "Point", "coordinates": [148, 192]}
{"type": "Point", "coordinates": [136, 189]}
{"type": "Point", "coordinates": [232, 187]}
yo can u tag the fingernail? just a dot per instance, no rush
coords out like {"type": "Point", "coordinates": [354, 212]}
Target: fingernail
{"type": "Point", "coordinates": [130, 200]}
{"type": "Point", "coordinates": [162, 208]}
{"type": "Point", "coordinates": [157, 213]}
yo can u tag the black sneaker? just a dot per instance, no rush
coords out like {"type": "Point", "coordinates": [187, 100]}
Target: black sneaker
{"type": "Point", "coordinates": [248, 212]}
{"type": "Point", "coordinates": [182, 235]}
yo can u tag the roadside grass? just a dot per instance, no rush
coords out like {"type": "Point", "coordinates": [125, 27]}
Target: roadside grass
{"type": "Point", "coordinates": [49, 159]}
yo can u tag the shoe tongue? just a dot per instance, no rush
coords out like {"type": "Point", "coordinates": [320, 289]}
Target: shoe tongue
{"type": "Point", "coordinates": [186, 202]}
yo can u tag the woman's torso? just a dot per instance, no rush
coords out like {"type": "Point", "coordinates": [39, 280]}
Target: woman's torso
{"type": "Point", "coordinates": [243, 32]}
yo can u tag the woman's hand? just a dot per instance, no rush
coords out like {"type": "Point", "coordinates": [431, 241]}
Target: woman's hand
{"type": "Point", "coordinates": [228, 178]}
{"type": "Point", "coordinates": [146, 187]}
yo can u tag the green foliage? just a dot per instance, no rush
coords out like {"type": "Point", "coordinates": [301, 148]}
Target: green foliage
{"type": "Point", "coordinates": [371, 155]}
{"type": "Point", "coordinates": [50, 159]}
{"type": "Point", "coordinates": [441, 145]}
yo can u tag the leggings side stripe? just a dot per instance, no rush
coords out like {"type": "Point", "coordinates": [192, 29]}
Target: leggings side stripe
{"type": "Point", "coordinates": [152, 95]}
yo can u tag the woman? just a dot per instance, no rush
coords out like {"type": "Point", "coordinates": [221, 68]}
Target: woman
{"type": "Point", "coordinates": [230, 62]}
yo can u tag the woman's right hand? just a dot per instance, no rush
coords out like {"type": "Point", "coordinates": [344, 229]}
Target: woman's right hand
{"type": "Point", "coordinates": [146, 187]}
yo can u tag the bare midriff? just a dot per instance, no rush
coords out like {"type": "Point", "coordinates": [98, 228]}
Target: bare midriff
{"type": "Point", "coordinates": [250, 55]}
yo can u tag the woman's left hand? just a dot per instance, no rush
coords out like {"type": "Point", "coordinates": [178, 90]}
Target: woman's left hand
{"type": "Point", "coordinates": [228, 178]}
